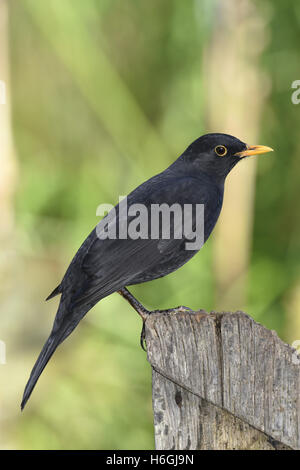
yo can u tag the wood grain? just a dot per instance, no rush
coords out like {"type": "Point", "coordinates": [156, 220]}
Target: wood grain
{"type": "Point", "coordinates": [222, 381]}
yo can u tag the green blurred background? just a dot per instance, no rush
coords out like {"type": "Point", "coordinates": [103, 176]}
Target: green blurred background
{"type": "Point", "coordinates": [101, 95]}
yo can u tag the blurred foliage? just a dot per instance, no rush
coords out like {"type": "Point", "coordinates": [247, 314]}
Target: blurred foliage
{"type": "Point", "coordinates": [276, 238]}
{"type": "Point", "coordinates": [105, 94]}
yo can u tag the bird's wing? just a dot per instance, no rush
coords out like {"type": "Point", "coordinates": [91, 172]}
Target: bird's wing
{"type": "Point", "coordinates": [100, 267]}
{"type": "Point", "coordinates": [111, 264]}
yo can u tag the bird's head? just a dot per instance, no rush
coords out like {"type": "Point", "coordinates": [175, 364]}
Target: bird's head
{"type": "Point", "coordinates": [217, 154]}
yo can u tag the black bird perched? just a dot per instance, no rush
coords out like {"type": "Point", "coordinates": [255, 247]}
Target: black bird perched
{"type": "Point", "coordinates": [103, 266]}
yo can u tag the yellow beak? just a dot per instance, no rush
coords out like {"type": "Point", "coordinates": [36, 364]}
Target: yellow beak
{"type": "Point", "coordinates": [254, 150]}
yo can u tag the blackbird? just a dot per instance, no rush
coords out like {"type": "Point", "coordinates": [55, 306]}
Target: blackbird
{"type": "Point", "coordinates": [102, 266]}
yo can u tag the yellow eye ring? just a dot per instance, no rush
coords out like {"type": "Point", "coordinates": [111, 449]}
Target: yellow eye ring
{"type": "Point", "coordinates": [221, 150]}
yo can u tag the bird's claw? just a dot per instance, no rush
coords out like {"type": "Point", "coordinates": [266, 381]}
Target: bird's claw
{"type": "Point", "coordinates": [143, 337]}
{"type": "Point", "coordinates": [180, 308]}
{"type": "Point", "coordinates": [172, 311]}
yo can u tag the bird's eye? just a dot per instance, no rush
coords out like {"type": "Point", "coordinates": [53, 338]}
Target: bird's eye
{"type": "Point", "coordinates": [220, 150]}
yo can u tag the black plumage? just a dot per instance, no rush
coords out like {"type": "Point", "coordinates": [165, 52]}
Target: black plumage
{"type": "Point", "coordinates": [101, 267]}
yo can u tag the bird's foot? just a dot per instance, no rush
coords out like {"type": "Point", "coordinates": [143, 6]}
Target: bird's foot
{"type": "Point", "coordinates": [144, 313]}
{"type": "Point", "coordinates": [138, 307]}
{"type": "Point", "coordinates": [169, 311]}
{"type": "Point", "coordinates": [182, 308]}
{"type": "Point", "coordinates": [174, 310]}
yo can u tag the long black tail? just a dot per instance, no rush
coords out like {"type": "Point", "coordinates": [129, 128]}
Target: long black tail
{"type": "Point", "coordinates": [65, 322]}
{"type": "Point", "coordinates": [49, 347]}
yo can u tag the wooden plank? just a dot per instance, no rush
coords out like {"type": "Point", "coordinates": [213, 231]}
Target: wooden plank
{"type": "Point", "coordinates": [223, 381]}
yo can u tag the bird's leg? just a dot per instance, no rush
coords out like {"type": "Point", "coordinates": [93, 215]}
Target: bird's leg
{"type": "Point", "coordinates": [139, 308]}
{"type": "Point", "coordinates": [143, 312]}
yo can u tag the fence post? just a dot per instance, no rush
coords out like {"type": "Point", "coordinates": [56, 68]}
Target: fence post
{"type": "Point", "coordinates": [222, 381]}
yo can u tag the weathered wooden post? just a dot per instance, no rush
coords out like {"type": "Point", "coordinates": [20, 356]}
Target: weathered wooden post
{"type": "Point", "coordinates": [222, 381]}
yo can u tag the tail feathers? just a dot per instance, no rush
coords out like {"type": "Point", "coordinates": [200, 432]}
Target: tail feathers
{"type": "Point", "coordinates": [49, 347]}
{"type": "Point", "coordinates": [55, 292]}
{"type": "Point", "coordinates": [64, 324]}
